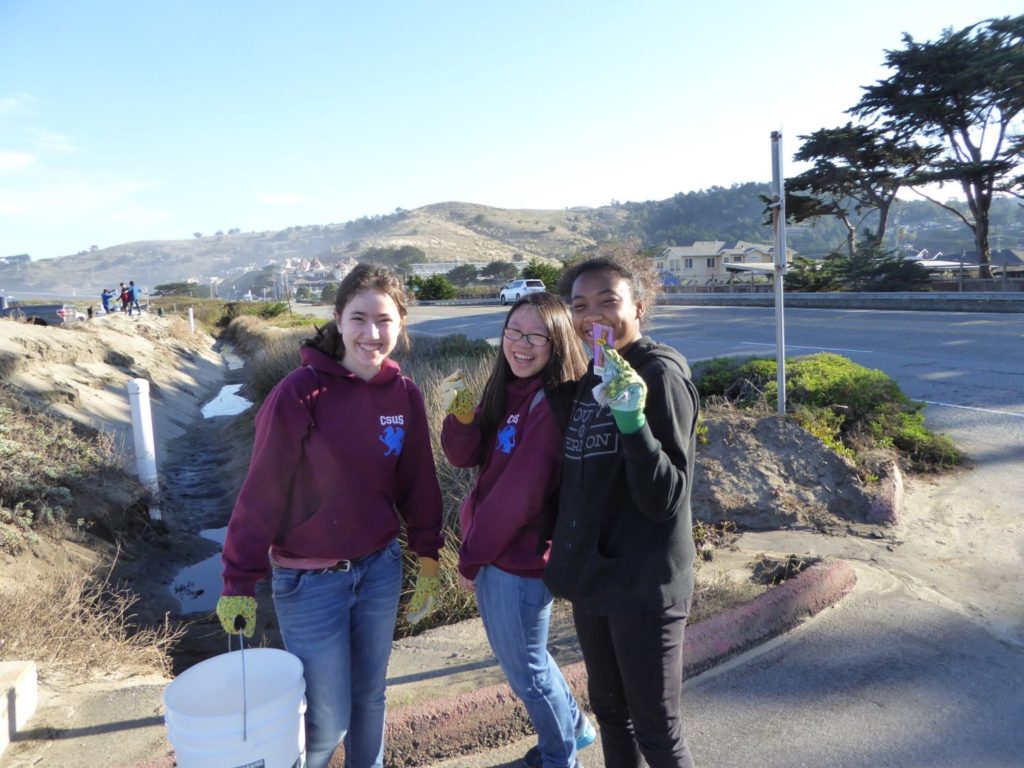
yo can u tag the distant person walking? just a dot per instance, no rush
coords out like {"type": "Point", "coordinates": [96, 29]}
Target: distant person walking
{"type": "Point", "coordinates": [134, 294]}
{"type": "Point", "coordinates": [124, 296]}
{"type": "Point", "coordinates": [514, 439]}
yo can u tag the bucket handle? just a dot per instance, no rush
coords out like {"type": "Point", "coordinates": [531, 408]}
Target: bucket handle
{"type": "Point", "coordinates": [245, 703]}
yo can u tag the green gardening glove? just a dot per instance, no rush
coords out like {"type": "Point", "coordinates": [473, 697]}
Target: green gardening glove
{"type": "Point", "coordinates": [622, 390]}
{"type": "Point", "coordinates": [456, 399]}
{"type": "Point", "coordinates": [237, 614]}
{"type": "Point", "coordinates": [427, 595]}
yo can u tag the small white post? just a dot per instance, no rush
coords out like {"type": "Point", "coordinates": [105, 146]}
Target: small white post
{"type": "Point", "coordinates": [191, 321]}
{"type": "Point", "coordinates": [145, 452]}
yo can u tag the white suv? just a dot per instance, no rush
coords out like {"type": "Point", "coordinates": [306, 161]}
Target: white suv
{"type": "Point", "coordinates": [515, 290]}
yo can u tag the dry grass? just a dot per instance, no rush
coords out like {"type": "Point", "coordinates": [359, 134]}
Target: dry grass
{"type": "Point", "coordinates": [75, 622]}
{"type": "Point", "coordinates": [717, 589]}
{"type": "Point", "coordinates": [46, 467]}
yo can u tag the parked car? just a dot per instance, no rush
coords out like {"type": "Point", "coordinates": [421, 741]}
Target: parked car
{"type": "Point", "coordinates": [43, 314]}
{"type": "Point", "coordinates": [518, 288]}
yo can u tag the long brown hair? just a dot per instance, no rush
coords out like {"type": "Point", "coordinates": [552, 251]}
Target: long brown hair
{"type": "Point", "coordinates": [364, 277]}
{"type": "Point", "coordinates": [566, 364]}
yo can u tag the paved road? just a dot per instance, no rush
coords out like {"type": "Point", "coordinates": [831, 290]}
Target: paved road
{"type": "Point", "coordinates": [969, 367]}
{"type": "Point", "coordinates": [923, 664]}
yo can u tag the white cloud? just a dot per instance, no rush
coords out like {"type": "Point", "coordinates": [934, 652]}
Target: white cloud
{"type": "Point", "coordinates": [76, 197]}
{"type": "Point", "coordinates": [283, 198]}
{"type": "Point", "coordinates": [15, 161]}
{"type": "Point", "coordinates": [15, 104]}
{"type": "Point", "coordinates": [56, 142]}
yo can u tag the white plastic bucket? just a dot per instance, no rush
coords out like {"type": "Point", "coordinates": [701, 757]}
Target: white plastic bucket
{"type": "Point", "coordinates": [204, 711]}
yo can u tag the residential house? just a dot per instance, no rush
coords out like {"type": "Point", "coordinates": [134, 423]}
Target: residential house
{"type": "Point", "coordinates": [707, 262]}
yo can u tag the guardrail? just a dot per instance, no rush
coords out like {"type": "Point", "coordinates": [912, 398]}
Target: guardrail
{"type": "Point", "coordinates": [933, 301]}
{"type": "Point", "coordinates": [977, 301]}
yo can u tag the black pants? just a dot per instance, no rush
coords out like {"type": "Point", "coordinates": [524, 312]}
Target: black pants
{"type": "Point", "coordinates": [635, 680]}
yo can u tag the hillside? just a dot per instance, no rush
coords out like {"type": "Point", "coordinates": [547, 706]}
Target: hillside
{"type": "Point", "coordinates": [466, 232]}
{"type": "Point", "coordinates": [443, 231]}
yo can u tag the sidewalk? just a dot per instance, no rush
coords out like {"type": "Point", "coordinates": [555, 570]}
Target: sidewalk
{"type": "Point", "coordinates": [445, 690]}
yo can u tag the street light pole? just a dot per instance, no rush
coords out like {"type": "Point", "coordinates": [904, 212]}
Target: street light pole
{"type": "Point", "coordinates": [779, 223]}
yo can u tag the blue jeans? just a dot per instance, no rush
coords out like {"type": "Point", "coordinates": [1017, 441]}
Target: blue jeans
{"type": "Point", "coordinates": [516, 611]}
{"type": "Point", "coordinates": [341, 624]}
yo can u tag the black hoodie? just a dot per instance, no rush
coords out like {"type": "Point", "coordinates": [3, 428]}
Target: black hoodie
{"type": "Point", "coordinates": [623, 540]}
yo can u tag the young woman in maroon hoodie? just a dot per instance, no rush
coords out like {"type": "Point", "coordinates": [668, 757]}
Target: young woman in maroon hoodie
{"type": "Point", "coordinates": [341, 444]}
{"type": "Point", "coordinates": [514, 438]}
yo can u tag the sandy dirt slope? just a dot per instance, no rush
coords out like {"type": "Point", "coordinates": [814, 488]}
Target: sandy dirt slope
{"type": "Point", "coordinates": [81, 370]}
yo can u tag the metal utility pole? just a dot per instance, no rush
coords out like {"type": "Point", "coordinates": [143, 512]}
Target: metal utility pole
{"type": "Point", "coordinates": [779, 226]}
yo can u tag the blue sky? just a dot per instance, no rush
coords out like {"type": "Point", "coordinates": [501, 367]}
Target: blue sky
{"type": "Point", "coordinates": [124, 121]}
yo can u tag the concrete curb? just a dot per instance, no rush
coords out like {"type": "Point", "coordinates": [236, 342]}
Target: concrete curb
{"type": "Point", "coordinates": [888, 504]}
{"type": "Point", "coordinates": [489, 717]}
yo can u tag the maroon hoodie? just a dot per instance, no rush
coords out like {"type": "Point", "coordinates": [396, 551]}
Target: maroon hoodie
{"type": "Point", "coordinates": [505, 515]}
{"type": "Point", "coordinates": [335, 461]}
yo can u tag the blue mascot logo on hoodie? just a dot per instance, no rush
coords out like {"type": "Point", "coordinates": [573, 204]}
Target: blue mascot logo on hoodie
{"type": "Point", "coordinates": [507, 438]}
{"type": "Point", "coordinates": [392, 438]}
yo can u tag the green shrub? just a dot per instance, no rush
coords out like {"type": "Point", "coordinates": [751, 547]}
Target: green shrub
{"type": "Point", "coordinates": [738, 379]}
{"type": "Point", "coordinates": [842, 403]}
{"type": "Point", "coordinates": [435, 288]}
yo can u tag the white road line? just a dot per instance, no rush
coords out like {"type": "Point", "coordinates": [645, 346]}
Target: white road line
{"type": "Point", "coordinates": [972, 408]}
{"type": "Point", "coordinates": [797, 346]}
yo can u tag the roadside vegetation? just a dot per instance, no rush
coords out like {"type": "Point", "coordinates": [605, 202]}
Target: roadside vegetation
{"type": "Point", "coordinates": [855, 411]}
{"type": "Point", "coordinates": [62, 481]}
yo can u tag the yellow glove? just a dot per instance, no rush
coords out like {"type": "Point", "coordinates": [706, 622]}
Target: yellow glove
{"type": "Point", "coordinates": [427, 594]}
{"type": "Point", "coordinates": [456, 399]}
{"type": "Point", "coordinates": [237, 614]}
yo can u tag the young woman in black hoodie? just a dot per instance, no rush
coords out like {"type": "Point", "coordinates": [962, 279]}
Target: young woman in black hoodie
{"type": "Point", "coordinates": [622, 549]}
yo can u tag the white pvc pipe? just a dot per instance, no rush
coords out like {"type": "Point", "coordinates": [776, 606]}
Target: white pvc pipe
{"type": "Point", "coordinates": [145, 452]}
{"type": "Point", "coordinates": [191, 321]}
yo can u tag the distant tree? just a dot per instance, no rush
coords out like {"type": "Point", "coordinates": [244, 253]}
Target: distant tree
{"type": "Point", "coordinates": [854, 166]}
{"type": "Point", "coordinates": [329, 292]}
{"type": "Point", "coordinates": [219, 233]}
{"type": "Point", "coordinates": [93, 248]}
{"type": "Point", "coordinates": [464, 274]}
{"type": "Point", "coordinates": [871, 268]}
{"type": "Point", "coordinates": [538, 270]}
{"type": "Point", "coordinates": [197, 235]}
{"type": "Point", "coordinates": [435, 288]}
{"type": "Point", "coordinates": [499, 271]}
{"type": "Point", "coordinates": [964, 91]}
{"type": "Point", "coordinates": [176, 289]}
{"type": "Point", "coordinates": [303, 292]}
{"type": "Point", "coordinates": [393, 257]}
{"type": "Point", "coordinates": [811, 275]}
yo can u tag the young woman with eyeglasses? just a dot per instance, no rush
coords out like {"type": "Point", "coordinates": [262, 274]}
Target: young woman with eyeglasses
{"type": "Point", "coordinates": [514, 438]}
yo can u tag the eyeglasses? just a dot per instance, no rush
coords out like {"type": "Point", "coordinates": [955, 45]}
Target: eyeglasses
{"type": "Point", "coordinates": [533, 339]}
